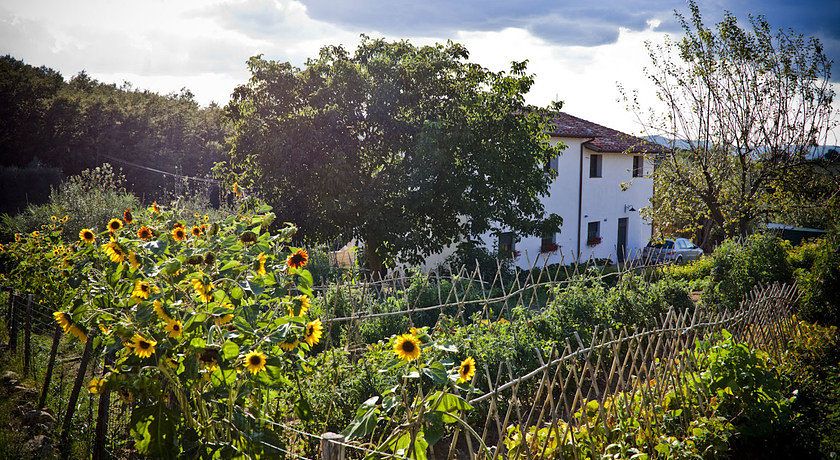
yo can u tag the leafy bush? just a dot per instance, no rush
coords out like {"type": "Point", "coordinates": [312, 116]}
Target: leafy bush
{"type": "Point", "coordinates": [738, 267]}
{"type": "Point", "coordinates": [691, 271]}
{"type": "Point", "coordinates": [89, 199]}
{"type": "Point", "coordinates": [818, 274]}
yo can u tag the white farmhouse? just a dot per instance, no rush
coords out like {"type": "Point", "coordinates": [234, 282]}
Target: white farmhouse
{"type": "Point", "coordinates": [603, 180]}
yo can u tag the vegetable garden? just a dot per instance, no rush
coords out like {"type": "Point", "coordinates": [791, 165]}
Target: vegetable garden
{"type": "Point", "coordinates": [162, 336]}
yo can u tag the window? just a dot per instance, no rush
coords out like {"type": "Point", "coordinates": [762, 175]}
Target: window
{"type": "Point", "coordinates": [593, 233]}
{"type": "Point", "coordinates": [549, 243]}
{"type": "Point", "coordinates": [507, 244]}
{"type": "Point", "coordinates": [595, 165]}
{"type": "Point", "coordinates": [638, 166]}
{"type": "Point", "coordinates": [552, 164]}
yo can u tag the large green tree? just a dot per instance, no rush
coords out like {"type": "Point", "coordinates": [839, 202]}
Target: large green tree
{"type": "Point", "coordinates": [744, 107]}
{"type": "Point", "coordinates": [407, 148]}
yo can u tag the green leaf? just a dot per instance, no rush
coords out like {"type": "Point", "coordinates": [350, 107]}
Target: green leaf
{"type": "Point", "coordinates": [365, 421]}
{"type": "Point", "coordinates": [230, 350]}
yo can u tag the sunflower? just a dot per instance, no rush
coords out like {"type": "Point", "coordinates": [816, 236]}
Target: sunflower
{"type": "Point", "coordinates": [142, 289]}
{"type": "Point", "coordinates": [95, 385]}
{"type": "Point", "coordinates": [298, 258]}
{"type": "Point", "coordinates": [105, 329]}
{"type": "Point", "coordinates": [63, 320]}
{"type": "Point", "coordinates": [236, 191]}
{"type": "Point", "coordinates": [174, 328]}
{"type": "Point", "coordinates": [79, 333]}
{"type": "Point", "coordinates": [142, 347]}
{"type": "Point", "coordinates": [145, 233]}
{"type": "Point", "coordinates": [35, 234]}
{"type": "Point", "coordinates": [87, 235]}
{"type": "Point", "coordinates": [314, 330]}
{"type": "Point", "coordinates": [209, 258]}
{"type": "Point", "coordinates": [132, 259]}
{"type": "Point", "coordinates": [261, 264]}
{"type": "Point", "coordinates": [154, 208]}
{"type": "Point", "coordinates": [179, 234]}
{"type": "Point", "coordinates": [127, 217]}
{"type": "Point", "coordinates": [466, 370]}
{"type": "Point", "coordinates": [223, 319]}
{"type": "Point", "coordinates": [157, 306]}
{"type": "Point", "coordinates": [299, 306]}
{"type": "Point", "coordinates": [407, 347]}
{"type": "Point", "coordinates": [255, 362]}
{"type": "Point", "coordinates": [114, 225]}
{"type": "Point", "coordinates": [289, 344]}
{"type": "Point", "coordinates": [115, 252]}
{"type": "Point", "coordinates": [196, 231]}
{"type": "Point", "coordinates": [203, 290]}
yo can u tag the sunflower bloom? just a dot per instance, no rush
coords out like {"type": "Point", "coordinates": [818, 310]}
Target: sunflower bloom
{"type": "Point", "coordinates": [236, 191]}
{"type": "Point", "coordinates": [196, 231]}
{"type": "Point", "coordinates": [255, 362]}
{"type": "Point", "coordinates": [203, 290]}
{"type": "Point", "coordinates": [78, 333]}
{"type": "Point", "coordinates": [175, 328]}
{"type": "Point", "coordinates": [114, 225]}
{"type": "Point", "coordinates": [157, 306]}
{"type": "Point", "coordinates": [407, 347]}
{"type": "Point", "coordinates": [127, 217]}
{"type": "Point", "coordinates": [115, 252]}
{"type": "Point", "coordinates": [224, 319]}
{"type": "Point", "coordinates": [289, 344]}
{"type": "Point", "coordinates": [154, 208]}
{"type": "Point", "coordinates": [142, 346]}
{"type": "Point", "coordinates": [95, 385]}
{"type": "Point", "coordinates": [466, 370]}
{"type": "Point", "coordinates": [314, 330]}
{"type": "Point", "coordinates": [133, 260]}
{"type": "Point", "coordinates": [63, 320]}
{"type": "Point", "coordinates": [179, 234]}
{"type": "Point", "coordinates": [142, 289]}
{"type": "Point", "coordinates": [261, 264]}
{"type": "Point", "coordinates": [299, 306]}
{"type": "Point", "coordinates": [145, 233]}
{"type": "Point", "coordinates": [298, 259]}
{"type": "Point", "coordinates": [87, 235]}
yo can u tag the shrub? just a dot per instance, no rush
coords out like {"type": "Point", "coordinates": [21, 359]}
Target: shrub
{"type": "Point", "coordinates": [694, 270]}
{"type": "Point", "coordinates": [818, 275]}
{"type": "Point", "coordinates": [738, 267]}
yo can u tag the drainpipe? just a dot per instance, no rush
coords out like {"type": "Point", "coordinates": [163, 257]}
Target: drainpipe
{"type": "Point", "coordinates": [580, 198]}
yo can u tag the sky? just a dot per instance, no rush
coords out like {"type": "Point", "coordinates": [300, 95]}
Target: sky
{"type": "Point", "coordinates": [579, 51]}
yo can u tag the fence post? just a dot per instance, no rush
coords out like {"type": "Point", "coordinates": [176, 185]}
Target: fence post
{"type": "Point", "coordinates": [102, 413]}
{"type": "Point", "coordinates": [9, 305]}
{"type": "Point", "coordinates": [64, 442]}
{"type": "Point", "coordinates": [27, 337]}
{"type": "Point", "coordinates": [13, 324]}
{"type": "Point", "coordinates": [50, 365]}
{"type": "Point", "coordinates": [330, 449]}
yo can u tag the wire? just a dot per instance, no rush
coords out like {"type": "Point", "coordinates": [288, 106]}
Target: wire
{"type": "Point", "coordinates": [160, 171]}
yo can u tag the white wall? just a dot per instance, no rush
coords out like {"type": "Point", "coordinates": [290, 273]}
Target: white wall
{"type": "Point", "coordinates": [603, 200]}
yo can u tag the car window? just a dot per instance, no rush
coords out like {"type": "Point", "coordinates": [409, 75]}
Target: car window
{"type": "Point", "coordinates": [668, 244]}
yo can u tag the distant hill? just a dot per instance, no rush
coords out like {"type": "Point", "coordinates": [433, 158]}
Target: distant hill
{"type": "Point", "coordinates": [820, 151]}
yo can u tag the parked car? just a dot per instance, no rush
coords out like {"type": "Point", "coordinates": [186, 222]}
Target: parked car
{"type": "Point", "coordinates": [676, 250]}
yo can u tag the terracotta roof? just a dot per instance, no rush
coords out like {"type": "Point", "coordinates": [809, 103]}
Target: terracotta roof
{"type": "Point", "coordinates": [603, 139]}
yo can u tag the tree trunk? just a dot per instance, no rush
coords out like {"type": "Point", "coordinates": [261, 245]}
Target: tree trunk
{"type": "Point", "coordinates": [373, 261]}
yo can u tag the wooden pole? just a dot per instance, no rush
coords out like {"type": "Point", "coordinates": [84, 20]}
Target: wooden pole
{"type": "Point", "coordinates": [13, 326]}
{"type": "Point", "coordinates": [330, 449]}
{"type": "Point", "coordinates": [50, 366]}
{"type": "Point", "coordinates": [102, 413]}
{"type": "Point", "coordinates": [64, 443]}
{"type": "Point", "coordinates": [27, 337]}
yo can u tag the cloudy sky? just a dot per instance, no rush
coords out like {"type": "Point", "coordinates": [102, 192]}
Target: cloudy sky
{"type": "Point", "coordinates": [579, 51]}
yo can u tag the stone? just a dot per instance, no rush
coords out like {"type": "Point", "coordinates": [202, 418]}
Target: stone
{"type": "Point", "coordinates": [9, 379]}
{"type": "Point", "coordinates": [35, 417]}
{"type": "Point", "coordinates": [39, 446]}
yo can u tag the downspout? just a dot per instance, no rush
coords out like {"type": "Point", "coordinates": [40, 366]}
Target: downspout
{"type": "Point", "coordinates": [580, 198]}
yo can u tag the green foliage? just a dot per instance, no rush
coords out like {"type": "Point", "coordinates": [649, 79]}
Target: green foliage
{"type": "Point", "coordinates": [738, 267]}
{"type": "Point", "coordinates": [817, 271]}
{"type": "Point", "coordinates": [78, 124]}
{"type": "Point", "coordinates": [20, 186]}
{"type": "Point", "coordinates": [691, 271]}
{"type": "Point", "coordinates": [88, 199]}
{"type": "Point", "coordinates": [419, 147]}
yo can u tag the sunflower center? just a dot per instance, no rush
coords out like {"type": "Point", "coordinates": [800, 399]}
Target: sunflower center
{"type": "Point", "coordinates": [176, 327]}
{"type": "Point", "coordinates": [88, 235]}
{"type": "Point", "coordinates": [144, 288]}
{"type": "Point", "coordinates": [465, 369]}
{"type": "Point", "coordinates": [255, 360]}
{"type": "Point", "coordinates": [408, 347]}
{"type": "Point", "coordinates": [144, 345]}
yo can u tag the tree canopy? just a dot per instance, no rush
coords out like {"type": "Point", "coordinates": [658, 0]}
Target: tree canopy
{"type": "Point", "coordinates": [407, 148]}
{"type": "Point", "coordinates": [744, 108]}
